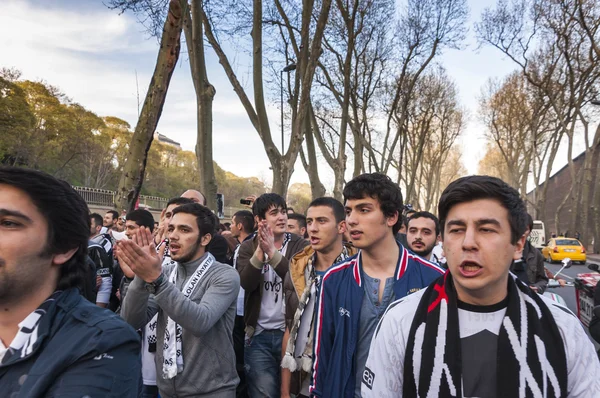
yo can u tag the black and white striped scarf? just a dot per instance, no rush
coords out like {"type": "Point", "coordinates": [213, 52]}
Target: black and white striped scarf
{"type": "Point", "coordinates": [531, 356]}
{"type": "Point", "coordinates": [25, 339]}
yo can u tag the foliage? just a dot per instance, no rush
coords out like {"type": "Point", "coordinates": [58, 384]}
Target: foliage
{"type": "Point", "coordinates": [41, 128]}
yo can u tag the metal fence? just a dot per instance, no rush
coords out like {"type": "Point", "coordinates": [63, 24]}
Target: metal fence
{"type": "Point", "coordinates": [99, 197]}
{"type": "Point", "coordinates": [104, 197]}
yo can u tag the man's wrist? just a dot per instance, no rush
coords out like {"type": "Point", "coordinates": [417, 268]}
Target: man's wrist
{"type": "Point", "coordinates": [153, 278]}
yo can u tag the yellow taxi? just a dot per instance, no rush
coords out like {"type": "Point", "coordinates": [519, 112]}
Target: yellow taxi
{"type": "Point", "coordinates": [560, 248]}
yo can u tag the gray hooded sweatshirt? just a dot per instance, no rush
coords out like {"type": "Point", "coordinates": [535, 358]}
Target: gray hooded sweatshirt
{"type": "Point", "coordinates": [206, 318]}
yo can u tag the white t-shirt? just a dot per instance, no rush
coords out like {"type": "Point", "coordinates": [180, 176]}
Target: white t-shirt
{"type": "Point", "coordinates": [242, 292]}
{"type": "Point", "coordinates": [148, 364]}
{"type": "Point", "coordinates": [272, 314]}
{"type": "Point", "coordinates": [384, 370]}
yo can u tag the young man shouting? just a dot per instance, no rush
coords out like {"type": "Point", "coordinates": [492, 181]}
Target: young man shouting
{"type": "Point", "coordinates": [423, 230]}
{"type": "Point", "coordinates": [263, 263]}
{"type": "Point", "coordinates": [355, 293]}
{"type": "Point", "coordinates": [195, 300]}
{"type": "Point", "coordinates": [477, 331]}
{"type": "Point", "coordinates": [326, 225]}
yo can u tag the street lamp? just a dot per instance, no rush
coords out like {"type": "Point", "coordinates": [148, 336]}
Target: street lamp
{"type": "Point", "coordinates": [287, 69]}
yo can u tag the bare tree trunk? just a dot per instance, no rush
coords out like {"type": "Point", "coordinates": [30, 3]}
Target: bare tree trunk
{"type": "Point", "coordinates": [132, 177]}
{"type": "Point", "coordinates": [310, 165]}
{"type": "Point", "coordinates": [205, 93]}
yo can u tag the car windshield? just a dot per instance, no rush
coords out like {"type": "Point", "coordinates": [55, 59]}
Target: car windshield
{"type": "Point", "coordinates": [567, 242]}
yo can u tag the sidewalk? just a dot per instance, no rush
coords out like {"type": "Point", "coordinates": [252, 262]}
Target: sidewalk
{"type": "Point", "coordinates": [593, 258]}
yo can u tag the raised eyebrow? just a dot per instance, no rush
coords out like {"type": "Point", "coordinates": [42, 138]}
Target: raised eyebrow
{"type": "Point", "coordinates": [15, 213]}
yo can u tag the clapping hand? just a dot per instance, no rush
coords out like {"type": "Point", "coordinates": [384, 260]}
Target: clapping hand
{"type": "Point", "coordinates": [139, 254]}
{"type": "Point", "coordinates": [266, 239]}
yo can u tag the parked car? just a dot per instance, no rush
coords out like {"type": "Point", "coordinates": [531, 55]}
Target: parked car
{"type": "Point", "coordinates": [560, 248]}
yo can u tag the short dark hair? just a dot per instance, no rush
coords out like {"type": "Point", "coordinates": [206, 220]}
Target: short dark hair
{"type": "Point", "coordinates": [425, 214]}
{"type": "Point", "coordinates": [381, 187]}
{"type": "Point", "coordinates": [179, 201]}
{"type": "Point", "coordinates": [66, 214]}
{"type": "Point", "coordinates": [468, 189]}
{"type": "Point", "coordinates": [264, 202]}
{"type": "Point", "coordinates": [98, 220]}
{"type": "Point", "coordinates": [335, 205]}
{"type": "Point", "coordinates": [114, 214]}
{"type": "Point", "coordinates": [298, 217]}
{"type": "Point", "coordinates": [245, 218]}
{"type": "Point", "coordinates": [141, 217]}
{"type": "Point", "coordinates": [207, 222]}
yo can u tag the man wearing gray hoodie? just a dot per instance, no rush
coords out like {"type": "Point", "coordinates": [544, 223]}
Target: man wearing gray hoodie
{"type": "Point", "coordinates": [195, 299]}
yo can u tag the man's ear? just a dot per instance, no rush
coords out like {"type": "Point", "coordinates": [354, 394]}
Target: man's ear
{"type": "Point", "coordinates": [519, 246]}
{"type": "Point", "coordinates": [60, 259]}
{"type": "Point", "coordinates": [391, 221]}
{"type": "Point", "coordinates": [342, 227]}
{"type": "Point", "coordinates": [205, 240]}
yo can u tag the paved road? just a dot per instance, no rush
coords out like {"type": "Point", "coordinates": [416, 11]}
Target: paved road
{"type": "Point", "coordinates": [568, 293]}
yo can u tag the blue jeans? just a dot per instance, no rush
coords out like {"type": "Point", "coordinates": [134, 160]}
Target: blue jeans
{"type": "Point", "coordinates": [262, 359]}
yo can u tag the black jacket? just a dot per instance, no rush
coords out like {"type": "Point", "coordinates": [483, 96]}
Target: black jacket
{"type": "Point", "coordinates": [81, 350]}
{"type": "Point", "coordinates": [531, 268]}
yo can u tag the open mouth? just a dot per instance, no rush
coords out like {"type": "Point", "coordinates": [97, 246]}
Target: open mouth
{"type": "Point", "coordinates": [174, 248]}
{"type": "Point", "coordinates": [470, 268]}
{"type": "Point", "coordinates": [314, 240]}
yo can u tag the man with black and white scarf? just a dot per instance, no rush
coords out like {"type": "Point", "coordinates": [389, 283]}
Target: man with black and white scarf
{"type": "Point", "coordinates": [195, 300]}
{"type": "Point", "coordinates": [478, 331]}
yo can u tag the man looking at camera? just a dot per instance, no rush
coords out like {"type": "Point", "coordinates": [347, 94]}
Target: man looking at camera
{"type": "Point", "coordinates": [263, 262]}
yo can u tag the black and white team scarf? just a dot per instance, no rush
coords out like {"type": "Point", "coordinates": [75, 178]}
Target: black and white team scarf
{"type": "Point", "coordinates": [172, 351]}
{"type": "Point", "coordinates": [150, 328]}
{"type": "Point", "coordinates": [531, 355]}
{"type": "Point", "coordinates": [299, 351]}
{"type": "Point", "coordinates": [23, 343]}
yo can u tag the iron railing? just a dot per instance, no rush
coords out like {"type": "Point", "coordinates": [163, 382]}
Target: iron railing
{"type": "Point", "coordinates": [104, 197]}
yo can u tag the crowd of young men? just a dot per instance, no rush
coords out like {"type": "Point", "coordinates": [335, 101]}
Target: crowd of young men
{"type": "Point", "coordinates": [263, 312]}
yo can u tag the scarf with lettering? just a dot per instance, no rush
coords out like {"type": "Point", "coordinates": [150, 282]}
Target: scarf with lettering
{"type": "Point", "coordinates": [150, 328]}
{"type": "Point", "coordinates": [172, 351]}
{"type": "Point", "coordinates": [531, 356]}
{"type": "Point", "coordinates": [299, 351]}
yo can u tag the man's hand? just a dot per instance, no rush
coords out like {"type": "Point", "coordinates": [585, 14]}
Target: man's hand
{"type": "Point", "coordinates": [561, 282]}
{"type": "Point", "coordinates": [140, 255]}
{"type": "Point", "coordinates": [259, 253]}
{"type": "Point", "coordinates": [534, 288]}
{"type": "Point", "coordinates": [266, 239]}
{"type": "Point", "coordinates": [98, 281]}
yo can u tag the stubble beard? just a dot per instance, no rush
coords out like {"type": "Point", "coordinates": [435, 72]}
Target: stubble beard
{"type": "Point", "coordinates": [189, 256]}
{"type": "Point", "coordinates": [22, 281]}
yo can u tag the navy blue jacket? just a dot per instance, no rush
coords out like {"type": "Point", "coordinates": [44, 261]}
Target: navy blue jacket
{"type": "Point", "coordinates": [339, 304]}
{"type": "Point", "coordinates": [81, 350]}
